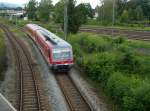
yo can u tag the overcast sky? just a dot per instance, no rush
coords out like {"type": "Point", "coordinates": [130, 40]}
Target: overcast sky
{"type": "Point", "coordinates": [94, 3]}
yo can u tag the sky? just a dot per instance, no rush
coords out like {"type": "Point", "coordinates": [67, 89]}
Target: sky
{"type": "Point", "coordinates": [93, 3]}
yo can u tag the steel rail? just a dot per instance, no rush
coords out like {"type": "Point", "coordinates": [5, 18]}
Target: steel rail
{"type": "Point", "coordinates": [14, 41]}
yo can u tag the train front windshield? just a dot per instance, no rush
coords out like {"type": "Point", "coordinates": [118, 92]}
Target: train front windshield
{"type": "Point", "coordinates": [62, 54]}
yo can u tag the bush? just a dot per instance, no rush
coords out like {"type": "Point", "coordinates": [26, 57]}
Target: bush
{"type": "Point", "coordinates": [100, 66]}
{"type": "Point", "coordinates": [90, 43]}
{"type": "Point", "coordinates": [118, 86]}
{"type": "Point", "coordinates": [142, 95]}
{"type": "Point", "coordinates": [119, 40]}
{"type": "Point", "coordinates": [117, 67]}
{"type": "Point", "coordinates": [131, 93]}
{"type": "Point", "coordinates": [128, 63]}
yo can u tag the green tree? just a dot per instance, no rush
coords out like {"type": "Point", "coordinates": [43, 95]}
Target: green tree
{"type": "Point", "coordinates": [82, 13]}
{"type": "Point", "coordinates": [105, 12]}
{"type": "Point", "coordinates": [84, 10]}
{"type": "Point", "coordinates": [132, 15]}
{"type": "Point", "coordinates": [121, 6]}
{"type": "Point", "coordinates": [31, 9]}
{"type": "Point", "coordinates": [125, 16]}
{"type": "Point", "coordinates": [44, 10]}
{"type": "Point", "coordinates": [74, 21]}
{"type": "Point", "coordinates": [73, 18]}
{"type": "Point", "coordinates": [108, 8]}
{"type": "Point", "coordinates": [58, 14]}
{"type": "Point", "coordinates": [143, 4]}
{"type": "Point", "coordinates": [139, 13]}
{"type": "Point", "coordinates": [89, 10]}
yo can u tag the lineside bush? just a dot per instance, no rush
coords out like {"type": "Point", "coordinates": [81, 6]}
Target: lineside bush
{"type": "Point", "coordinates": [117, 66]}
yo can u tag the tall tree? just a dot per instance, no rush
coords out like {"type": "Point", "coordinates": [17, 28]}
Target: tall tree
{"type": "Point", "coordinates": [139, 13]}
{"type": "Point", "coordinates": [125, 16]}
{"type": "Point", "coordinates": [121, 6]}
{"type": "Point", "coordinates": [73, 18]}
{"type": "Point", "coordinates": [106, 11]}
{"type": "Point", "coordinates": [84, 10]}
{"type": "Point", "coordinates": [31, 9]}
{"type": "Point", "coordinates": [74, 21]}
{"type": "Point", "coordinates": [89, 10]}
{"type": "Point", "coordinates": [59, 12]}
{"type": "Point", "coordinates": [44, 10]}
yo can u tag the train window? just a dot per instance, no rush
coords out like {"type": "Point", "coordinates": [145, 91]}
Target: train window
{"type": "Point", "coordinates": [61, 55]}
{"type": "Point", "coordinates": [45, 36]}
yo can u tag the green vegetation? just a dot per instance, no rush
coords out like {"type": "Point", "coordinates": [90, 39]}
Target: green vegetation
{"type": "Point", "coordinates": [45, 12]}
{"type": "Point", "coordinates": [31, 9]}
{"type": "Point", "coordinates": [3, 58]}
{"type": "Point", "coordinates": [94, 23]}
{"type": "Point", "coordinates": [74, 12]}
{"type": "Point", "coordinates": [44, 9]}
{"type": "Point", "coordinates": [117, 66]}
{"type": "Point", "coordinates": [124, 11]}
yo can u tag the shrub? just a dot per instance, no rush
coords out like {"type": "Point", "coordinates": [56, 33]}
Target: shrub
{"type": "Point", "coordinates": [90, 43]}
{"type": "Point", "coordinates": [118, 86]}
{"type": "Point", "coordinates": [128, 63]}
{"type": "Point", "coordinates": [100, 66]}
{"type": "Point", "coordinates": [117, 67]}
{"type": "Point", "coordinates": [119, 40]}
{"type": "Point", "coordinates": [130, 92]}
{"type": "Point", "coordinates": [142, 95]}
{"type": "Point", "coordinates": [125, 49]}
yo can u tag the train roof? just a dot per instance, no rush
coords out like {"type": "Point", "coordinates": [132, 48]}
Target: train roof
{"type": "Point", "coordinates": [52, 38]}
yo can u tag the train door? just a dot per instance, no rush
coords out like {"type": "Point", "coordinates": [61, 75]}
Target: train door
{"type": "Point", "coordinates": [45, 49]}
{"type": "Point", "coordinates": [36, 36]}
{"type": "Point", "coordinates": [47, 53]}
{"type": "Point", "coordinates": [40, 41]}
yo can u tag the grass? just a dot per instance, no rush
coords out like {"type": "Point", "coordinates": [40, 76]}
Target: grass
{"type": "Point", "coordinates": [95, 23]}
{"type": "Point", "coordinates": [143, 28]}
{"type": "Point", "coordinates": [3, 59]}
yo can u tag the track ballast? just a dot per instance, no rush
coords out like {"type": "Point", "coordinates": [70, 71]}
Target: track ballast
{"type": "Point", "coordinates": [30, 96]}
{"type": "Point", "coordinates": [73, 97]}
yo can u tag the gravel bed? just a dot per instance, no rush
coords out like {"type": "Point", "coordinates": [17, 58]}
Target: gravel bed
{"type": "Point", "coordinates": [55, 97]}
{"type": "Point", "coordinates": [8, 86]}
{"type": "Point", "coordinates": [96, 103]}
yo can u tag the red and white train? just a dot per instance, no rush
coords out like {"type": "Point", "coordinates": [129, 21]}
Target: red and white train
{"type": "Point", "coordinates": [57, 52]}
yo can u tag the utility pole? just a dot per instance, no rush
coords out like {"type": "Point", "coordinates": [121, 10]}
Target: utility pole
{"type": "Point", "coordinates": [66, 19]}
{"type": "Point", "coordinates": [102, 11]}
{"type": "Point", "coordinates": [113, 15]}
{"type": "Point", "coordinates": [113, 18]}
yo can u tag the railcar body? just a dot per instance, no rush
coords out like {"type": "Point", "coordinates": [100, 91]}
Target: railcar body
{"type": "Point", "coordinates": [56, 51]}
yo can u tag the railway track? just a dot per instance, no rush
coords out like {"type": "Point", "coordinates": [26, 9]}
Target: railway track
{"type": "Point", "coordinates": [137, 35]}
{"type": "Point", "coordinates": [73, 97]}
{"type": "Point", "coordinates": [30, 96]}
